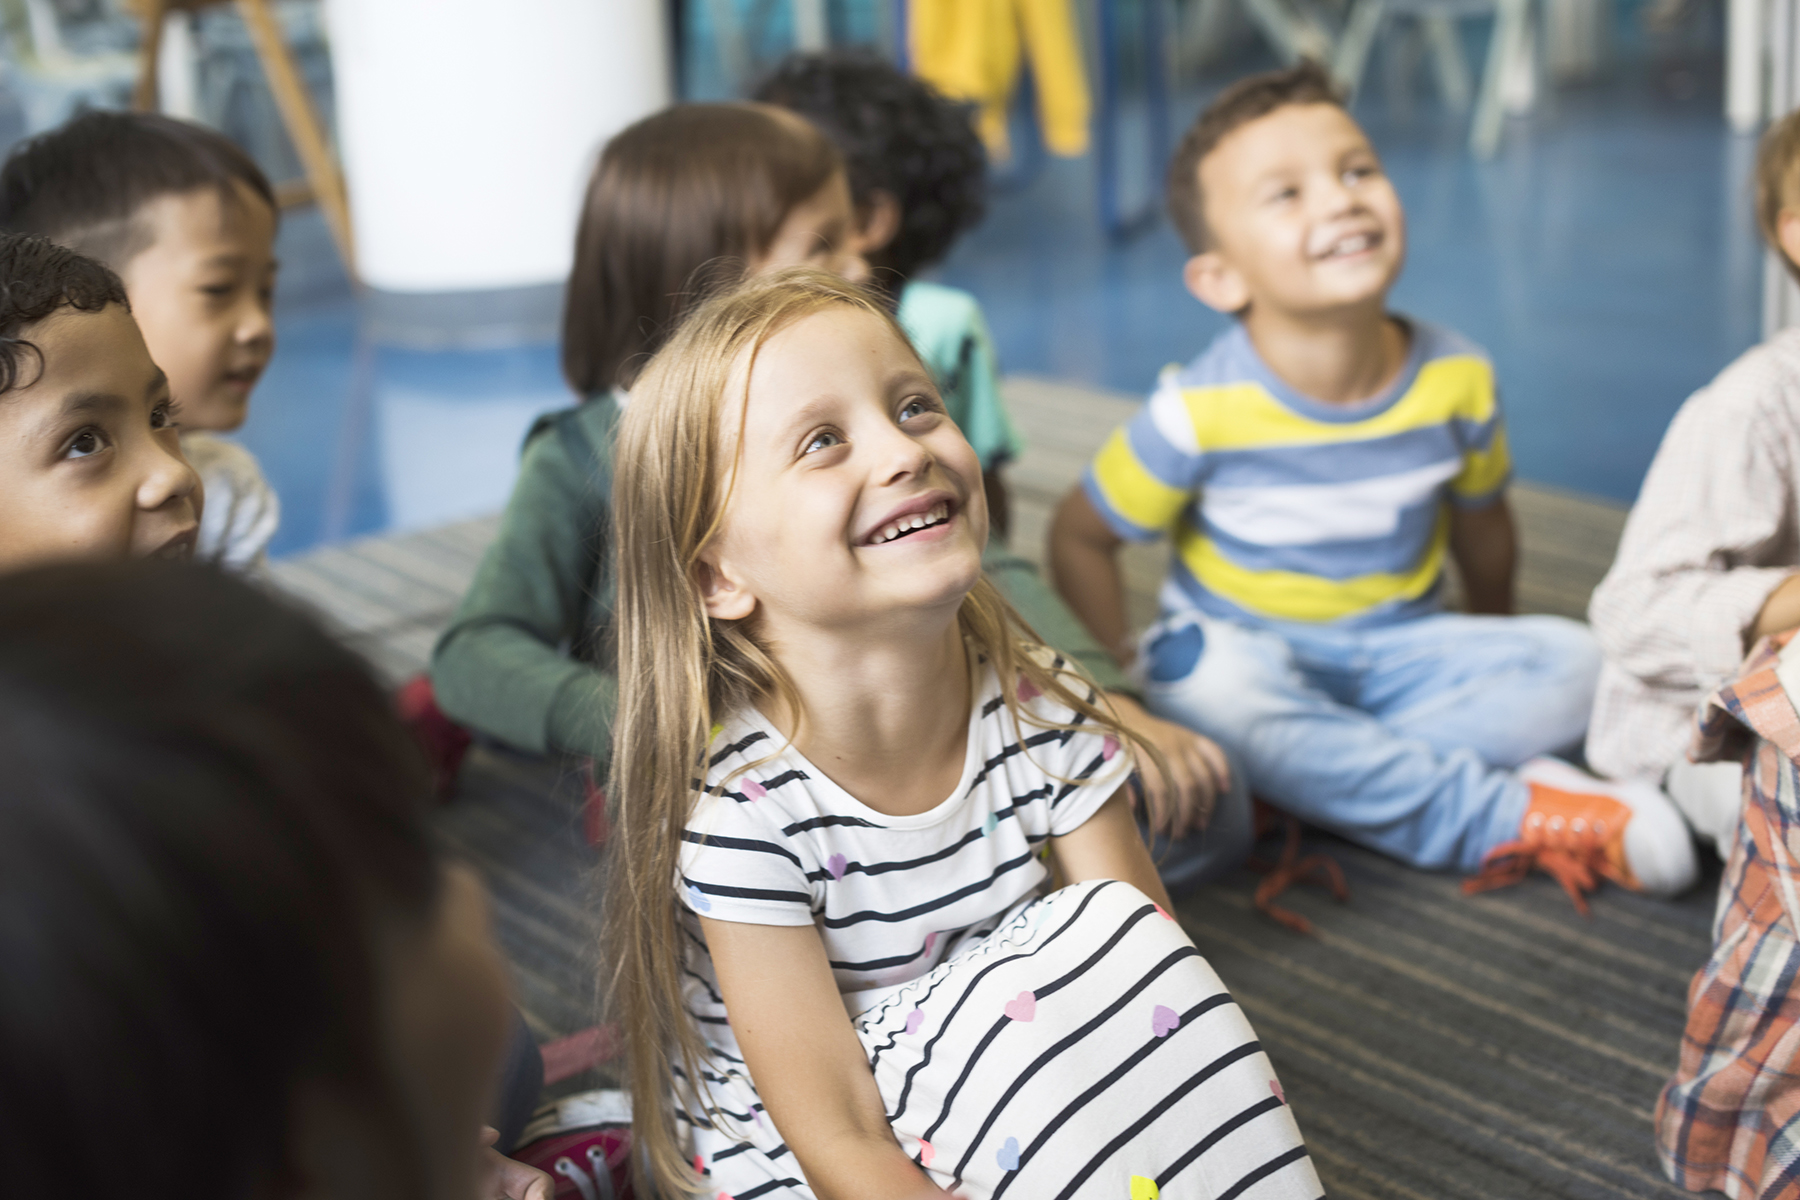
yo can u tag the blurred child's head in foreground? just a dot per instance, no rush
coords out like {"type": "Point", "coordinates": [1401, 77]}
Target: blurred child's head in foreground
{"type": "Point", "coordinates": [1778, 190]}
{"type": "Point", "coordinates": [1283, 203]}
{"type": "Point", "coordinates": [188, 221]}
{"type": "Point", "coordinates": [918, 172]}
{"type": "Point", "coordinates": [90, 457]}
{"type": "Point", "coordinates": [234, 967]}
{"type": "Point", "coordinates": [736, 189]}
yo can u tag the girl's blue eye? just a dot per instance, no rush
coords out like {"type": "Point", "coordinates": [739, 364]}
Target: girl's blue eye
{"type": "Point", "coordinates": [823, 441]}
{"type": "Point", "coordinates": [914, 408]}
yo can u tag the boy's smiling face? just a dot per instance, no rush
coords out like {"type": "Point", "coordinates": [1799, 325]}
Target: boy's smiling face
{"type": "Point", "coordinates": [90, 462]}
{"type": "Point", "coordinates": [1300, 217]}
{"type": "Point", "coordinates": [202, 292]}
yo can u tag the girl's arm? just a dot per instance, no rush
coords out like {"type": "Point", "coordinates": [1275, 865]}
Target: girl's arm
{"type": "Point", "coordinates": [1107, 846]}
{"type": "Point", "coordinates": [807, 1063]}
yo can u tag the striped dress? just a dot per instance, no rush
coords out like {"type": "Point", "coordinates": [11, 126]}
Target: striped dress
{"type": "Point", "coordinates": [1026, 1042]}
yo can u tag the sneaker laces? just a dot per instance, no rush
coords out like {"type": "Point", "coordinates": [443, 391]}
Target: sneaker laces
{"type": "Point", "coordinates": [1291, 868]}
{"type": "Point", "coordinates": [1572, 852]}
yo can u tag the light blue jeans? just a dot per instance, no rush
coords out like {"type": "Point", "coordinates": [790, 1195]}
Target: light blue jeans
{"type": "Point", "coordinates": [1399, 737]}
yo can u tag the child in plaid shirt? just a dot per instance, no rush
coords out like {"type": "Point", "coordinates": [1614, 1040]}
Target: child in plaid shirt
{"type": "Point", "coordinates": [1729, 1119]}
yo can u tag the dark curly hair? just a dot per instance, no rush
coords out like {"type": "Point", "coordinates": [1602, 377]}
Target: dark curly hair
{"type": "Point", "coordinates": [38, 277]}
{"type": "Point", "coordinates": [899, 135]}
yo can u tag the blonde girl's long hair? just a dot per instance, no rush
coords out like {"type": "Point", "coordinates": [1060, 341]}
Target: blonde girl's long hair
{"type": "Point", "coordinates": [680, 672]}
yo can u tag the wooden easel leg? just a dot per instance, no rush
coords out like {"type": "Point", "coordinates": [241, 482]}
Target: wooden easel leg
{"type": "Point", "coordinates": [144, 97]}
{"type": "Point", "coordinates": [302, 124]}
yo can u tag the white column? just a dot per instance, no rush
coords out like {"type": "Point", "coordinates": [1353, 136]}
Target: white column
{"type": "Point", "coordinates": [467, 129]}
{"type": "Point", "coordinates": [1744, 74]}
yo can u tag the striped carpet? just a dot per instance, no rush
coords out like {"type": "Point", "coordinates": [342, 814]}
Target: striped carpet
{"type": "Point", "coordinates": [1435, 1046]}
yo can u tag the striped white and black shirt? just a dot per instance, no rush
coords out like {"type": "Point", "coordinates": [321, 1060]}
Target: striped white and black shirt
{"type": "Point", "coordinates": [890, 896]}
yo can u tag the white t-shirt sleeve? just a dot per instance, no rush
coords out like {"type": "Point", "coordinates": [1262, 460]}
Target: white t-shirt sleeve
{"type": "Point", "coordinates": [1085, 766]}
{"type": "Point", "coordinates": [241, 512]}
{"type": "Point", "coordinates": [738, 865]}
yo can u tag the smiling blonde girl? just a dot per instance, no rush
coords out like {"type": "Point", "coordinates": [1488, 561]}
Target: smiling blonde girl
{"type": "Point", "coordinates": [842, 774]}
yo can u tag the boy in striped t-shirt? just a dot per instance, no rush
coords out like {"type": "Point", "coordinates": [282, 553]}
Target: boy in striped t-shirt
{"type": "Point", "coordinates": [1314, 468]}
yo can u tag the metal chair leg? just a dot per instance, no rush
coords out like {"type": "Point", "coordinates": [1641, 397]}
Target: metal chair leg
{"type": "Point", "coordinates": [1504, 49]}
{"type": "Point", "coordinates": [1447, 59]}
{"type": "Point", "coordinates": [1352, 56]}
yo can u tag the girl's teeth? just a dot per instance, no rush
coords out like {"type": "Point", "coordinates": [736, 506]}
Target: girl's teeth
{"type": "Point", "coordinates": [907, 524]}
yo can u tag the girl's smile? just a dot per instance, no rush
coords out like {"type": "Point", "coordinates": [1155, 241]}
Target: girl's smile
{"type": "Point", "coordinates": [926, 519]}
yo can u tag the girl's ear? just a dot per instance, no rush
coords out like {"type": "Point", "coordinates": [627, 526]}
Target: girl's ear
{"type": "Point", "coordinates": [725, 598]}
{"type": "Point", "coordinates": [1215, 283]}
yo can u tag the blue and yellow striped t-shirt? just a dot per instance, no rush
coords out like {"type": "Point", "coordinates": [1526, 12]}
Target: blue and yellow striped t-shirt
{"type": "Point", "coordinates": [1283, 508]}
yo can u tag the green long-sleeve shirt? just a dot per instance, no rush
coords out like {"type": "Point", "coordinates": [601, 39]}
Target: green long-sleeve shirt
{"type": "Point", "coordinates": [525, 659]}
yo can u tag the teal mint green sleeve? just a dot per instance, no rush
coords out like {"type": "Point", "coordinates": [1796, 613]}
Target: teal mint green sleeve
{"type": "Point", "coordinates": [504, 666]}
{"type": "Point", "coordinates": [1022, 585]}
{"type": "Point", "coordinates": [988, 426]}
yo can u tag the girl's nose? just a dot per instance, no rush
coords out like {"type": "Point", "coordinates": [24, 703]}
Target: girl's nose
{"type": "Point", "coordinates": [902, 457]}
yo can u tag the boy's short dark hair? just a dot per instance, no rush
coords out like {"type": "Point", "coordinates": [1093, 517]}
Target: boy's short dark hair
{"type": "Point", "coordinates": [1306, 82]}
{"type": "Point", "coordinates": [1778, 181]}
{"type": "Point", "coordinates": [84, 182]}
{"type": "Point", "coordinates": [38, 277]}
{"type": "Point", "coordinates": [899, 135]}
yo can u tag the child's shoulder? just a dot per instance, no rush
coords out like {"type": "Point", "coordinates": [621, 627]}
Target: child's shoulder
{"type": "Point", "coordinates": [222, 463]}
{"type": "Point", "coordinates": [1761, 383]}
{"type": "Point", "coordinates": [936, 315]}
{"type": "Point", "coordinates": [1431, 343]}
{"type": "Point", "coordinates": [1231, 359]}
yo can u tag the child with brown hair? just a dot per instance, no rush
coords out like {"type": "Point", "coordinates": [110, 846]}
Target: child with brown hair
{"type": "Point", "coordinates": [697, 194]}
{"type": "Point", "coordinates": [188, 221]}
{"type": "Point", "coordinates": [1710, 559]}
{"type": "Point", "coordinates": [1317, 469]}
{"type": "Point", "coordinates": [840, 963]}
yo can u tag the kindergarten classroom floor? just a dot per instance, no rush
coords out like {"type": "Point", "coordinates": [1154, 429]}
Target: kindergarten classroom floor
{"type": "Point", "coordinates": [1605, 258]}
{"type": "Point", "coordinates": [1434, 1046]}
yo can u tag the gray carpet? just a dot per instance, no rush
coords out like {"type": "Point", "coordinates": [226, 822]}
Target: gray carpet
{"type": "Point", "coordinates": [1434, 1046]}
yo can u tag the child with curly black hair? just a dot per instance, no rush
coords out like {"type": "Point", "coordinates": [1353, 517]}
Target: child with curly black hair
{"type": "Point", "coordinates": [918, 180]}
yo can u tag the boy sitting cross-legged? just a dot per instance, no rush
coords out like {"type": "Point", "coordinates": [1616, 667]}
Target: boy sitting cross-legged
{"type": "Point", "coordinates": [90, 464]}
{"type": "Point", "coordinates": [1315, 466]}
{"type": "Point", "coordinates": [187, 219]}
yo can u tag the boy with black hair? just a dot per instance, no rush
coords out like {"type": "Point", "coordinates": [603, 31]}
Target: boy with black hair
{"type": "Point", "coordinates": [90, 461]}
{"type": "Point", "coordinates": [188, 221]}
{"type": "Point", "coordinates": [1315, 467]}
{"type": "Point", "coordinates": [918, 181]}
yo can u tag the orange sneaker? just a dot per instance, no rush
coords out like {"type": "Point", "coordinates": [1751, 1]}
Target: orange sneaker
{"type": "Point", "coordinates": [1580, 830]}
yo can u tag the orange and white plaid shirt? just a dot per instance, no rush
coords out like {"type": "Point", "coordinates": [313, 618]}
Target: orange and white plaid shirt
{"type": "Point", "coordinates": [1729, 1119]}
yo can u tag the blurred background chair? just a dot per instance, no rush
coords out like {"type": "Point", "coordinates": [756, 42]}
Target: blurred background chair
{"type": "Point", "coordinates": [323, 181]}
{"type": "Point", "coordinates": [56, 72]}
{"type": "Point", "coordinates": [1508, 79]}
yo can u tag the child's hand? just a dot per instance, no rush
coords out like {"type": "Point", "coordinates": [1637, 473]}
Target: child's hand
{"type": "Point", "coordinates": [1182, 803]}
{"type": "Point", "coordinates": [509, 1180]}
